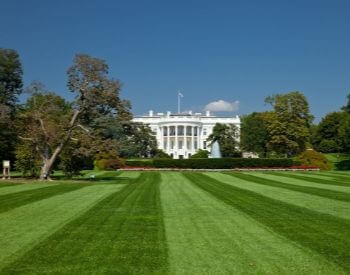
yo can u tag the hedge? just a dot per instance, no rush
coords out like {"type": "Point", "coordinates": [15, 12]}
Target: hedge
{"type": "Point", "coordinates": [139, 163]}
{"type": "Point", "coordinates": [222, 163]}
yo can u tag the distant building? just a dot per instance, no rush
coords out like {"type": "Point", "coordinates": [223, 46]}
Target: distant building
{"type": "Point", "coordinates": [181, 135]}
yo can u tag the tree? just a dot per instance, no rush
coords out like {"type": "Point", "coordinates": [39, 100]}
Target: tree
{"type": "Point", "coordinates": [200, 154]}
{"type": "Point", "coordinates": [134, 139]}
{"type": "Point", "coordinates": [160, 154]}
{"type": "Point", "coordinates": [332, 133]}
{"type": "Point", "coordinates": [54, 122]}
{"type": "Point", "coordinates": [254, 134]}
{"type": "Point", "coordinates": [138, 141]}
{"type": "Point", "coordinates": [10, 88]}
{"type": "Point", "coordinates": [289, 123]}
{"type": "Point", "coordinates": [227, 137]}
{"type": "Point", "coordinates": [346, 108]}
{"type": "Point", "coordinates": [27, 160]}
{"type": "Point", "coordinates": [10, 78]}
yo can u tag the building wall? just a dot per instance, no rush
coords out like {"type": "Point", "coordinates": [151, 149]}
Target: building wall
{"type": "Point", "coordinates": [181, 135]}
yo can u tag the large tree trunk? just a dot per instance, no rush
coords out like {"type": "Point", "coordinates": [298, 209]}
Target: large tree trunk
{"type": "Point", "coordinates": [48, 162]}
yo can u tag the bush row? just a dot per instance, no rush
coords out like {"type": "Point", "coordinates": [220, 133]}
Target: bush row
{"type": "Point", "coordinates": [222, 163]}
{"type": "Point", "coordinates": [139, 163]}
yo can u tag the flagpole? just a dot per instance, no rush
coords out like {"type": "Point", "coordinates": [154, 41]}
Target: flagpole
{"type": "Point", "coordinates": [179, 95]}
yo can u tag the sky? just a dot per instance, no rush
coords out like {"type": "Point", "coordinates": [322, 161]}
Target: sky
{"type": "Point", "coordinates": [224, 56]}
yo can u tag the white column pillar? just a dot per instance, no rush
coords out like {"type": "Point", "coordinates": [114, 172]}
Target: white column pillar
{"type": "Point", "coordinates": [198, 139]}
{"type": "Point", "coordinates": [185, 138]}
{"type": "Point", "coordinates": [176, 140]}
{"type": "Point", "coordinates": [162, 137]}
{"type": "Point", "coordinates": [168, 139]}
{"type": "Point", "coordinates": [192, 139]}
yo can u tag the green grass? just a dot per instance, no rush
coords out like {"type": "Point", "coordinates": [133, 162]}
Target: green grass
{"type": "Point", "coordinates": [324, 234]}
{"type": "Point", "coordinates": [177, 223]}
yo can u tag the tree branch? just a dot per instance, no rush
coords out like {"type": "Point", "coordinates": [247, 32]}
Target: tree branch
{"type": "Point", "coordinates": [25, 138]}
{"type": "Point", "coordinates": [83, 128]}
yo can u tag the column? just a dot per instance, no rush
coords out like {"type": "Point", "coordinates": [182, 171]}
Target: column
{"type": "Point", "coordinates": [162, 137]}
{"type": "Point", "coordinates": [168, 139]}
{"type": "Point", "coordinates": [176, 145]}
{"type": "Point", "coordinates": [185, 138]}
{"type": "Point", "coordinates": [192, 138]}
{"type": "Point", "coordinates": [198, 139]}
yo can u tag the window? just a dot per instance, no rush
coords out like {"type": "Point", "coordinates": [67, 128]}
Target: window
{"type": "Point", "coordinates": [172, 130]}
{"type": "Point", "coordinates": [204, 144]}
{"type": "Point", "coordinates": [195, 129]}
{"type": "Point", "coordinates": [189, 131]}
{"type": "Point", "coordinates": [189, 147]}
{"type": "Point", "coordinates": [180, 130]}
{"type": "Point", "coordinates": [195, 145]}
{"type": "Point", "coordinates": [165, 131]}
{"type": "Point", "coordinates": [180, 144]}
{"type": "Point", "coordinates": [165, 144]}
{"type": "Point", "coordinates": [204, 131]}
{"type": "Point", "coordinates": [172, 144]}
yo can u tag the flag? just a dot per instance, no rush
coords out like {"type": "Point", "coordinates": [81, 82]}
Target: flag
{"type": "Point", "coordinates": [181, 95]}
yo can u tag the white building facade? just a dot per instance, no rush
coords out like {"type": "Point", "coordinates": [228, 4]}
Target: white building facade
{"type": "Point", "coordinates": [181, 135]}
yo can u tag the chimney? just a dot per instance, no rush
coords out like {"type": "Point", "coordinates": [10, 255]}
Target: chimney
{"type": "Point", "coordinates": [207, 113]}
{"type": "Point", "coordinates": [150, 113]}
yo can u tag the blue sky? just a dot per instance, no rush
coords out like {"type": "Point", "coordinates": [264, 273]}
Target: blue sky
{"type": "Point", "coordinates": [210, 50]}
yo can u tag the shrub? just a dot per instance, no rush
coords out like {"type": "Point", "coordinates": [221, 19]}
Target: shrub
{"type": "Point", "coordinates": [27, 160]}
{"type": "Point", "coordinates": [109, 164]}
{"type": "Point", "coordinates": [139, 163]}
{"type": "Point", "coordinates": [222, 163]}
{"type": "Point", "coordinates": [201, 154]}
{"type": "Point", "coordinates": [313, 158]}
{"type": "Point", "coordinates": [160, 154]}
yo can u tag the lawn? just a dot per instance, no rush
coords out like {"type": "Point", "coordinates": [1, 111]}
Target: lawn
{"type": "Point", "coordinates": [178, 223]}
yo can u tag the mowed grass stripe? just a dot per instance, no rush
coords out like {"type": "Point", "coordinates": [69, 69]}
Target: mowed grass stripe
{"type": "Point", "coordinates": [328, 176]}
{"type": "Point", "coordinates": [207, 236]}
{"type": "Point", "coordinates": [280, 176]}
{"type": "Point", "coordinates": [7, 184]}
{"type": "Point", "coordinates": [24, 227]}
{"type": "Point", "coordinates": [326, 235]}
{"type": "Point", "coordinates": [123, 234]}
{"type": "Point", "coordinates": [260, 179]}
{"type": "Point", "coordinates": [13, 200]}
{"type": "Point", "coordinates": [315, 180]}
{"type": "Point", "coordinates": [23, 187]}
{"type": "Point", "coordinates": [336, 208]}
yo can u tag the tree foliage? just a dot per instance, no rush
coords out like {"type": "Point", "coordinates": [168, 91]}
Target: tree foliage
{"type": "Point", "coordinates": [227, 137]}
{"type": "Point", "coordinates": [10, 77]}
{"type": "Point", "coordinates": [313, 158]}
{"type": "Point", "coordinates": [50, 123]}
{"type": "Point", "coordinates": [333, 133]}
{"type": "Point", "coordinates": [254, 133]}
{"type": "Point", "coordinates": [346, 108]}
{"type": "Point", "coordinates": [10, 88]}
{"type": "Point", "coordinates": [200, 154]}
{"type": "Point", "coordinates": [289, 123]}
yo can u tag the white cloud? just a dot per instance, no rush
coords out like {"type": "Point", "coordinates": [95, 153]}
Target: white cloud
{"type": "Point", "coordinates": [222, 106]}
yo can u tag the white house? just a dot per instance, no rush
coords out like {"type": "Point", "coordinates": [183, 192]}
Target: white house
{"type": "Point", "coordinates": [181, 135]}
